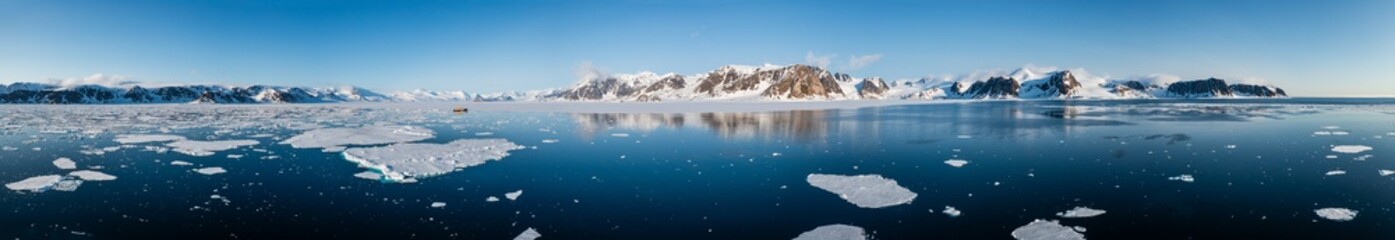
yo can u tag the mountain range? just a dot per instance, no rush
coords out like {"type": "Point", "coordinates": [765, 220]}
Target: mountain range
{"type": "Point", "coordinates": [728, 83]}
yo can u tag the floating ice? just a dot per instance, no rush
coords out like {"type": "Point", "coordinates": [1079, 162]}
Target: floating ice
{"type": "Point", "coordinates": [180, 163]}
{"type": "Point", "coordinates": [1232, 146]}
{"type": "Point", "coordinates": [65, 163]}
{"type": "Point", "coordinates": [404, 162]}
{"type": "Point", "coordinates": [67, 185]}
{"type": "Point", "coordinates": [35, 184]}
{"type": "Point", "coordinates": [1336, 172]}
{"type": "Point", "coordinates": [1336, 214]}
{"type": "Point", "coordinates": [206, 148]}
{"type": "Point", "coordinates": [1183, 177]}
{"type": "Point", "coordinates": [513, 195]}
{"type": "Point", "coordinates": [1046, 230]}
{"type": "Point", "coordinates": [620, 135]}
{"type": "Point", "coordinates": [834, 232]}
{"type": "Point", "coordinates": [89, 175]}
{"type": "Point", "coordinates": [370, 175]}
{"type": "Point", "coordinates": [866, 191]}
{"type": "Point", "coordinates": [529, 234]}
{"type": "Point", "coordinates": [1363, 157]}
{"type": "Point", "coordinates": [210, 170]}
{"type": "Point", "coordinates": [956, 162]}
{"type": "Point", "coordinates": [368, 135]}
{"type": "Point", "coordinates": [1384, 172]}
{"type": "Point", "coordinates": [1081, 212]}
{"type": "Point", "coordinates": [1351, 149]}
{"type": "Point", "coordinates": [491, 199]}
{"type": "Point", "coordinates": [951, 211]}
{"type": "Point", "coordinates": [145, 138]}
{"type": "Point", "coordinates": [438, 204]}
{"type": "Point", "coordinates": [549, 141]}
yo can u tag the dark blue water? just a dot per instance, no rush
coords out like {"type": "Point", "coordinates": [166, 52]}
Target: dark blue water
{"type": "Point", "coordinates": [716, 176]}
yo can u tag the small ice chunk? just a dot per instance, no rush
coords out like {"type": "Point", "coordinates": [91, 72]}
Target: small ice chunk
{"type": "Point", "coordinates": [549, 141]}
{"type": "Point", "coordinates": [205, 148]}
{"type": "Point", "coordinates": [438, 204]}
{"type": "Point", "coordinates": [145, 138]}
{"type": "Point", "coordinates": [1351, 149]}
{"type": "Point", "coordinates": [1232, 146]}
{"type": "Point", "coordinates": [367, 135]}
{"type": "Point", "coordinates": [484, 134]}
{"type": "Point", "coordinates": [89, 175]}
{"type": "Point", "coordinates": [67, 185]}
{"type": "Point", "coordinates": [1046, 230]}
{"type": "Point", "coordinates": [956, 162]}
{"type": "Point", "coordinates": [1336, 214]}
{"type": "Point", "coordinates": [865, 191]}
{"type": "Point", "coordinates": [1183, 177]}
{"type": "Point", "coordinates": [513, 195]}
{"type": "Point", "coordinates": [180, 163]}
{"type": "Point", "coordinates": [404, 162]}
{"type": "Point", "coordinates": [1080, 212]}
{"type": "Point", "coordinates": [491, 199]}
{"type": "Point", "coordinates": [951, 211]}
{"type": "Point", "coordinates": [65, 163]}
{"type": "Point", "coordinates": [530, 234]}
{"type": "Point", "coordinates": [834, 232]}
{"type": "Point", "coordinates": [370, 175]}
{"type": "Point", "coordinates": [1336, 172]}
{"type": "Point", "coordinates": [1385, 173]}
{"type": "Point", "coordinates": [35, 184]}
{"type": "Point", "coordinates": [620, 135]}
{"type": "Point", "coordinates": [210, 170]}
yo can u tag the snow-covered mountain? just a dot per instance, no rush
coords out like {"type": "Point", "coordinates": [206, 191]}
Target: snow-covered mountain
{"type": "Point", "coordinates": [728, 83]}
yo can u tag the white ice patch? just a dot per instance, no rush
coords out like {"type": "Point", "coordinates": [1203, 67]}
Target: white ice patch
{"type": "Point", "coordinates": [1351, 149]}
{"type": "Point", "coordinates": [834, 232]}
{"type": "Point", "coordinates": [65, 163]}
{"type": "Point", "coordinates": [1385, 173]}
{"type": "Point", "coordinates": [1336, 172]}
{"type": "Point", "coordinates": [1336, 214]}
{"type": "Point", "coordinates": [956, 162]}
{"type": "Point", "coordinates": [1046, 230]}
{"type": "Point", "coordinates": [865, 191]}
{"type": "Point", "coordinates": [405, 162]}
{"type": "Point", "coordinates": [206, 148]}
{"type": "Point", "coordinates": [620, 135]}
{"type": "Point", "coordinates": [438, 204]}
{"type": "Point", "coordinates": [1183, 177]}
{"type": "Point", "coordinates": [210, 170]}
{"type": "Point", "coordinates": [89, 175]}
{"type": "Point", "coordinates": [549, 141]}
{"type": "Point", "coordinates": [368, 135]}
{"type": "Point", "coordinates": [145, 138]}
{"type": "Point", "coordinates": [181, 163]}
{"type": "Point", "coordinates": [370, 175]}
{"type": "Point", "coordinates": [491, 199]}
{"type": "Point", "coordinates": [951, 211]}
{"type": "Point", "coordinates": [530, 234]}
{"type": "Point", "coordinates": [1081, 212]}
{"type": "Point", "coordinates": [35, 184]}
{"type": "Point", "coordinates": [513, 195]}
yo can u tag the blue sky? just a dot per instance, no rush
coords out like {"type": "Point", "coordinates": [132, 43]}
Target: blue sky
{"type": "Point", "coordinates": [1311, 48]}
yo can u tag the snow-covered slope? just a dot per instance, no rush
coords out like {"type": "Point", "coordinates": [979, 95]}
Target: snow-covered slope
{"type": "Point", "coordinates": [727, 83]}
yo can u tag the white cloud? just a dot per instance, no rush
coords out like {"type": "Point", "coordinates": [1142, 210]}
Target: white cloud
{"type": "Point", "coordinates": [856, 62]}
{"type": "Point", "coordinates": [820, 61]}
{"type": "Point", "coordinates": [587, 72]}
{"type": "Point", "coordinates": [94, 79]}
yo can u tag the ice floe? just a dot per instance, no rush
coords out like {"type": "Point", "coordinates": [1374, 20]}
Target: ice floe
{"type": "Point", "coordinates": [89, 175]}
{"type": "Point", "coordinates": [145, 138]}
{"type": "Point", "coordinates": [367, 135]}
{"type": "Point", "coordinates": [513, 195]}
{"type": "Point", "coordinates": [530, 234]}
{"type": "Point", "coordinates": [370, 175]}
{"type": "Point", "coordinates": [1385, 173]}
{"type": "Point", "coordinates": [1046, 230]}
{"type": "Point", "coordinates": [834, 232]}
{"type": "Point", "coordinates": [1081, 212]}
{"type": "Point", "coordinates": [65, 163]}
{"type": "Point", "coordinates": [1351, 149]}
{"type": "Point", "coordinates": [207, 148]}
{"type": "Point", "coordinates": [1336, 214]}
{"type": "Point", "coordinates": [35, 184]}
{"type": "Point", "coordinates": [956, 162]}
{"type": "Point", "coordinates": [67, 185]}
{"type": "Point", "coordinates": [1183, 177]}
{"type": "Point", "coordinates": [438, 204]}
{"type": "Point", "coordinates": [951, 211]}
{"type": "Point", "coordinates": [1336, 172]}
{"type": "Point", "coordinates": [549, 141]}
{"type": "Point", "coordinates": [866, 191]}
{"type": "Point", "coordinates": [620, 135]}
{"type": "Point", "coordinates": [181, 163]}
{"type": "Point", "coordinates": [210, 170]}
{"type": "Point", "coordinates": [404, 162]}
{"type": "Point", "coordinates": [491, 199]}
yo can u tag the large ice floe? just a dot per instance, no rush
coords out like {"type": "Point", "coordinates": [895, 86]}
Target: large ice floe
{"type": "Point", "coordinates": [207, 148]}
{"type": "Point", "coordinates": [35, 184]}
{"type": "Point", "coordinates": [367, 135]}
{"type": "Point", "coordinates": [404, 162]}
{"type": "Point", "coordinates": [834, 232]}
{"type": "Point", "coordinates": [866, 191]}
{"type": "Point", "coordinates": [1046, 230]}
{"type": "Point", "coordinates": [529, 234]}
{"type": "Point", "coordinates": [1351, 149]}
{"type": "Point", "coordinates": [89, 175]}
{"type": "Point", "coordinates": [1080, 212]}
{"type": "Point", "coordinates": [1336, 214]}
